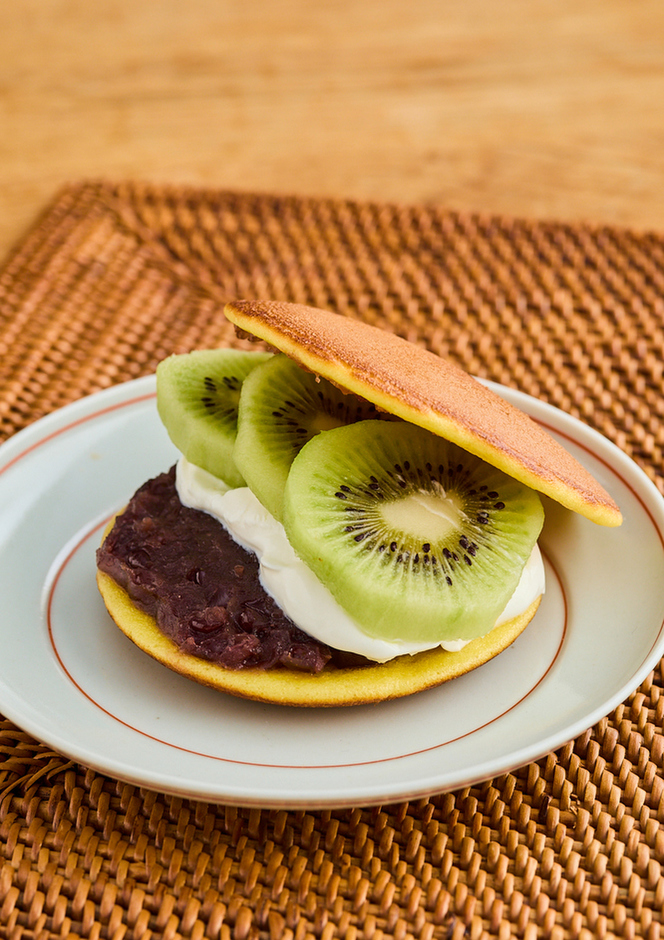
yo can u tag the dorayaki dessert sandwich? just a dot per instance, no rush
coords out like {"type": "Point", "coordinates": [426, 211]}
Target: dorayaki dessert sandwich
{"type": "Point", "coordinates": [352, 518]}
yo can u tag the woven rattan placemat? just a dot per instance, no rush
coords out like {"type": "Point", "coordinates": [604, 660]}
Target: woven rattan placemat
{"type": "Point", "coordinates": [114, 277]}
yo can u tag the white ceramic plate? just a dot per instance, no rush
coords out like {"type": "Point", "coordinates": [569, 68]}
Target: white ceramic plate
{"type": "Point", "coordinates": [71, 679]}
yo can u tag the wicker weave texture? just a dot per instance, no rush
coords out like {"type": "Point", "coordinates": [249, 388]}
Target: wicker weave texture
{"type": "Point", "coordinates": [115, 277]}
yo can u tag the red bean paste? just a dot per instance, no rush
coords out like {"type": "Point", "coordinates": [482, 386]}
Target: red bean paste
{"type": "Point", "coordinates": [182, 567]}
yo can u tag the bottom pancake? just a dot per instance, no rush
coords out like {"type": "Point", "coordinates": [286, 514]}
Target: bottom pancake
{"type": "Point", "coordinates": [333, 686]}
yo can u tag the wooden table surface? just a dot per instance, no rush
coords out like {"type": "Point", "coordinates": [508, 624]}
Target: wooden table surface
{"type": "Point", "coordinates": [539, 108]}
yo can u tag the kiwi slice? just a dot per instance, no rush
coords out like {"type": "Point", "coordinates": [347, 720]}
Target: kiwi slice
{"type": "Point", "coordinates": [197, 400]}
{"type": "Point", "coordinates": [282, 406]}
{"type": "Point", "coordinates": [415, 537]}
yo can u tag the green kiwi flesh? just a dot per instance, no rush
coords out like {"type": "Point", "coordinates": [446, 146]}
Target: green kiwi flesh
{"type": "Point", "coordinates": [416, 538]}
{"type": "Point", "coordinates": [197, 400]}
{"type": "Point", "coordinates": [282, 406]}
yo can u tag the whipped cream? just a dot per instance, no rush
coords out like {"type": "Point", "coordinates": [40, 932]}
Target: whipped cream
{"type": "Point", "coordinates": [295, 588]}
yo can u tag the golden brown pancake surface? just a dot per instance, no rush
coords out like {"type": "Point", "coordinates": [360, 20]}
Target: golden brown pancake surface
{"type": "Point", "coordinates": [425, 389]}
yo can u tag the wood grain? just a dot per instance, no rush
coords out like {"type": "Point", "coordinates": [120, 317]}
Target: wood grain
{"type": "Point", "coordinates": [539, 108]}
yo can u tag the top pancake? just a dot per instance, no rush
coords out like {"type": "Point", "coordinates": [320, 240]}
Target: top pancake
{"type": "Point", "coordinates": [424, 389]}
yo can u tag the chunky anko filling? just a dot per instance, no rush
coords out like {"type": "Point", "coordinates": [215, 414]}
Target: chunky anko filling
{"type": "Point", "coordinates": [180, 566]}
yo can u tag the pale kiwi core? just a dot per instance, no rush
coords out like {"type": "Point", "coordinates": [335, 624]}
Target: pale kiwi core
{"type": "Point", "coordinates": [325, 422]}
{"type": "Point", "coordinates": [437, 513]}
